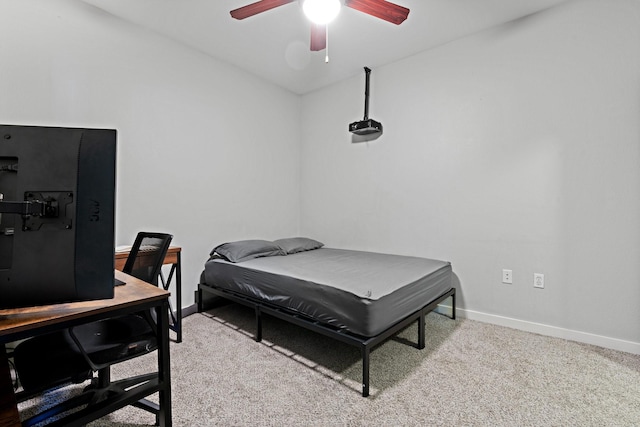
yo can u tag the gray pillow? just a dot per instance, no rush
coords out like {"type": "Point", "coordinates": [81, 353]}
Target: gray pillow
{"type": "Point", "coordinates": [244, 250]}
{"type": "Point", "coordinates": [293, 245]}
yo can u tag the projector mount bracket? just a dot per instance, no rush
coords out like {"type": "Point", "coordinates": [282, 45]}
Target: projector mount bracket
{"type": "Point", "coordinates": [366, 126]}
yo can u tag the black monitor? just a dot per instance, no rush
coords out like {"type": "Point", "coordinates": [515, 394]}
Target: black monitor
{"type": "Point", "coordinates": [57, 214]}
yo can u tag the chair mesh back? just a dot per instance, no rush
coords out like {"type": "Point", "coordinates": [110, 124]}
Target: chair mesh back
{"type": "Point", "coordinates": [147, 255]}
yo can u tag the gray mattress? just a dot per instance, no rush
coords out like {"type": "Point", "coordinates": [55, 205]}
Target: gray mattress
{"type": "Point", "coordinates": [362, 292]}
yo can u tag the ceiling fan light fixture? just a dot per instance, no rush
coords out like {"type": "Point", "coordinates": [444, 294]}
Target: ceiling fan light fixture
{"type": "Point", "coordinates": [321, 12]}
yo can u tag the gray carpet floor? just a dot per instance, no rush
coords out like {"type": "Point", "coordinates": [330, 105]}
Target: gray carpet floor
{"type": "Point", "coordinates": [469, 374]}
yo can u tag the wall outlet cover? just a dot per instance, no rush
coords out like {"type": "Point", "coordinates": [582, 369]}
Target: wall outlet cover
{"type": "Point", "coordinates": [507, 276]}
{"type": "Point", "coordinates": [538, 280]}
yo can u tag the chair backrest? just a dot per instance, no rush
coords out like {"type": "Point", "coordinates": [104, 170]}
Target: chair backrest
{"type": "Point", "coordinates": [147, 255]}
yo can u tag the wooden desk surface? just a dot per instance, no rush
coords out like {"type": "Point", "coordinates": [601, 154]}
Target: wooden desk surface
{"type": "Point", "coordinates": [15, 320]}
{"type": "Point", "coordinates": [170, 258]}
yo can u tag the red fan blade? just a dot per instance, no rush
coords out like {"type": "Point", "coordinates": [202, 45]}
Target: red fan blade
{"type": "Point", "coordinates": [257, 7]}
{"type": "Point", "coordinates": [380, 9]}
{"type": "Point", "coordinates": [318, 37]}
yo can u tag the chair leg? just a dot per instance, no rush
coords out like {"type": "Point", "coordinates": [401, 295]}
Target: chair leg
{"type": "Point", "coordinates": [99, 385]}
{"type": "Point", "coordinates": [104, 377]}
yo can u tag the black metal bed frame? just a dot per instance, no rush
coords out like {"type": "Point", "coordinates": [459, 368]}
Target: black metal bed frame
{"type": "Point", "coordinates": [366, 344]}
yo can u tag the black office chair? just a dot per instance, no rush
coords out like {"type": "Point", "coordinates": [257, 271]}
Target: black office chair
{"type": "Point", "coordinates": [146, 256]}
{"type": "Point", "coordinates": [74, 354]}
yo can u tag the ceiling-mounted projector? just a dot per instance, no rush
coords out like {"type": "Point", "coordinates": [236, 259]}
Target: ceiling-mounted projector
{"type": "Point", "coordinates": [366, 126]}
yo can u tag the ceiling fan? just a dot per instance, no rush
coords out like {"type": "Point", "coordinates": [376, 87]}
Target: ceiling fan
{"type": "Point", "coordinates": [382, 9]}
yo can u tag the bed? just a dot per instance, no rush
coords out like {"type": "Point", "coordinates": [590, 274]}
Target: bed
{"type": "Point", "coordinates": [360, 298]}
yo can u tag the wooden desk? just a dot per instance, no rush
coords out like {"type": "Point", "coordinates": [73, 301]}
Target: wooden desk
{"type": "Point", "coordinates": [20, 323]}
{"type": "Point", "coordinates": [171, 258]}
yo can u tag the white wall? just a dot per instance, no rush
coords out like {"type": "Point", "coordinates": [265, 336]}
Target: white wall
{"type": "Point", "coordinates": [207, 152]}
{"type": "Point", "coordinates": [513, 148]}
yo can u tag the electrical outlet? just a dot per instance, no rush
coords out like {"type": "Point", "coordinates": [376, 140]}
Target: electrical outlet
{"type": "Point", "coordinates": [507, 276]}
{"type": "Point", "coordinates": [538, 280]}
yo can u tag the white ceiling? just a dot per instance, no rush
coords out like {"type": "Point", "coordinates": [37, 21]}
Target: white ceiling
{"type": "Point", "coordinates": [275, 44]}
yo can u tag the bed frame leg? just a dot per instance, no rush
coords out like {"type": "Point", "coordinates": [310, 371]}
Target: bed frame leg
{"type": "Point", "coordinates": [258, 324]}
{"type": "Point", "coordinates": [453, 305]}
{"type": "Point", "coordinates": [421, 330]}
{"type": "Point", "coordinates": [365, 371]}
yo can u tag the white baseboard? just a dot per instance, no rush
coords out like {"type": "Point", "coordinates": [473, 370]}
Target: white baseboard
{"type": "Point", "coordinates": [552, 331]}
